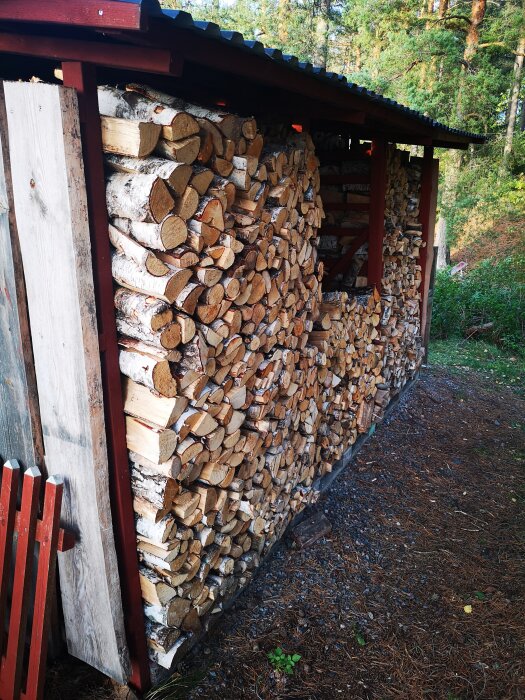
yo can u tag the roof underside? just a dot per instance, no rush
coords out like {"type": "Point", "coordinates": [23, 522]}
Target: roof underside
{"type": "Point", "coordinates": [214, 66]}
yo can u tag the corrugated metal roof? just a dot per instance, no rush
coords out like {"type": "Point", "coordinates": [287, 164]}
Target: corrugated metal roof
{"type": "Point", "coordinates": [184, 20]}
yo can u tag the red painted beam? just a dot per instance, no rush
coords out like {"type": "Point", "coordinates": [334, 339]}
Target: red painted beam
{"type": "Point", "coordinates": [83, 78]}
{"type": "Point", "coordinates": [147, 60]}
{"type": "Point", "coordinates": [427, 216]}
{"type": "Point", "coordinates": [378, 181]}
{"type": "Point", "coordinates": [102, 14]}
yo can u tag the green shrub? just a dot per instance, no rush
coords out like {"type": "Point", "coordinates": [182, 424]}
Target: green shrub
{"type": "Point", "coordinates": [494, 291]}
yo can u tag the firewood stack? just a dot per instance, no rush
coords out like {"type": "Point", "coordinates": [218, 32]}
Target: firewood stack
{"type": "Point", "coordinates": [400, 325]}
{"type": "Point", "coordinates": [217, 289]}
{"type": "Point", "coordinates": [344, 182]}
{"type": "Point", "coordinates": [350, 365]}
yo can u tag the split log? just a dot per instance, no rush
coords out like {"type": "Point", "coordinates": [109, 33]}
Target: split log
{"type": "Point", "coordinates": [138, 197]}
{"type": "Point", "coordinates": [129, 138]}
{"type": "Point", "coordinates": [183, 151]}
{"type": "Point", "coordinates": [134, 251]}
{"type": "Point", "coordinates": [155, 443]}
{"type": "Point", "coordinates": [138, 279]}
{"type": "Point", "coordinates": [169, 233]}
{"type": "Point", "coordinates": [149, 371]}
{"type": "Point", "coordinates": [176, 175]}
{"type": "Point", "coordinates": [176, 124]}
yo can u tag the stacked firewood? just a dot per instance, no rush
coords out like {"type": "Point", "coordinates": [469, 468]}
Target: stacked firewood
{"type": "Point", "coordinates": [344, 182]}
{"type": "Point", "coordinates": [400, 326]}
{"type": "Point", "coordinates": [350, 366]}
{"type": "Point", "coordinates": [215, 235]}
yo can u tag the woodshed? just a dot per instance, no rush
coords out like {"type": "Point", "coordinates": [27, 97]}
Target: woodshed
{"type": "Point", "coordinates": [216, 264]}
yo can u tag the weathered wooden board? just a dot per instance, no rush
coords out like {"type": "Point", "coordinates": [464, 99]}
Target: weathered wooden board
{"type": "Point", "coordinates": [51, 211]}
{"type": "Point", "coordinates": [20, 435]}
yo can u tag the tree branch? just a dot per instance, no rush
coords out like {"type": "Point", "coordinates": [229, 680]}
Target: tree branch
{"type": "Point", "coordinates": [449, 18]}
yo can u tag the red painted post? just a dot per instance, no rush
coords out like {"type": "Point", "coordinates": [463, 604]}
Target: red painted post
{"type": "Point", "coordinates": [82, 77]}
{"type": "Point", "coordinates": [427, 216]}
{"type": "Point", "coordinates": [8, 495]}
{"type": "Point", "coordinates": [378, 181]}
{"type": "Point", "coordinates": [45, 586]}
{"type": "Point", "coordinates": [13, 661]}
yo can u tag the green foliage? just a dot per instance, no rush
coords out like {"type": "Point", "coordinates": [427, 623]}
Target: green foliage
{"type": "Point", "coordinates": [501, 367]}
{"type": "Point", "coordinates": [281, 662]}
{"type": "Point", "coordinates": [359, 637]}
{"type": "Point", "coordinates": [494, 292]}
{"type": "Point", "coordinates": [407, 51]}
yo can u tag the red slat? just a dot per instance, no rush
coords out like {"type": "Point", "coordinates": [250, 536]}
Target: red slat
{"type": "Point", "coordinates": [12, 668]}
{"type": "Point", "coordinates": [106, 14]}
{"type": "Point", "coordinates": [45, 584]}
{"type": "Point", "coordinates": [66, 539]}
{"type": "Point", "coordinates": [8, 495]}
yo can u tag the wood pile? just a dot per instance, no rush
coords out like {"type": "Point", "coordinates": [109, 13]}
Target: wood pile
{"type": "Point", "coordinates": [400, 324]}
{"type": "Point", "coordinates": [242, 381]}
{"type": "Point", "coordinates": [214, 230]}
{"type": "Point", "coordinates": [344, 181]}
{"type": "Point", "coordinates": [350, 361]}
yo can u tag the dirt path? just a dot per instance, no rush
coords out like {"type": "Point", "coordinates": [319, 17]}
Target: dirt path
{"type": "Point", "coordinates": [429, 519]}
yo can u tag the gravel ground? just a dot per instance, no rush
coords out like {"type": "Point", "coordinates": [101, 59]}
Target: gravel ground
{"type": "Point", "coordinates": [418, 591]}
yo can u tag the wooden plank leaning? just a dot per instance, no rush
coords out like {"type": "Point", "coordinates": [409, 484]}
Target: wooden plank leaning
{"type": "Point", "coordinates": [51, 212]}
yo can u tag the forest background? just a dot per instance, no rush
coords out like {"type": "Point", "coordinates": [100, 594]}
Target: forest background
{"type": "Point", "coordinates": [462, 63]}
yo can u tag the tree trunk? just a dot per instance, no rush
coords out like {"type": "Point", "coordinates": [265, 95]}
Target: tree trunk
{"type": "Point", "coordinates": [441, 242]}
{"type": "Point", "coordinates": [514, 97]}
{"type": "Point", "coordinates": [442, 8]}
{"type": "Point", "coordinates": [477, 15]}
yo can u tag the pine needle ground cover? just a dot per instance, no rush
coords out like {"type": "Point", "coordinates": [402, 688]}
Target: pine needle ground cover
{"type": "Point", "coordinates": [418, 591]}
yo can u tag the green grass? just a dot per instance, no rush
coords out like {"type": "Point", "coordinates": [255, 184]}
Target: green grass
{"type": "Point", "coordinates": [502, 367]}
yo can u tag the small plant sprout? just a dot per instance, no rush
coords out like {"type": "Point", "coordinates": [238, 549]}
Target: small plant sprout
{"type": "Point", "coordinates": [281, 662]}
{"type": "Point", "coordinates": [359, 637]}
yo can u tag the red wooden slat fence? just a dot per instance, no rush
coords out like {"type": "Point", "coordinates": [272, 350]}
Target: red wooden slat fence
{"type": "Point", "coordinates": [19, 681]}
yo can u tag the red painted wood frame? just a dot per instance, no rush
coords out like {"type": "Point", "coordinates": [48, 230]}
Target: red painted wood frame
{"type": "Point", "coordinates": [103, 14]}
{"type": "Point", "coordinates": [150, 60]}
{"type": "Point", "coordinates": [378, 181]}
{"type": "Point", "coordinates": [82, 77]}
{"type": "Point", "coordinates": [427, 216]}
{"type": "Point", "coordinates": [29, 530]}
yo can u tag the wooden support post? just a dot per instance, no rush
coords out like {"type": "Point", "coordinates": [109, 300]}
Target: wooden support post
{"type": "Point", "coordinates": [427, 214]}
{"type": "Point", "coordinates": [378, 179]}
{"type": "Point", "coordinates": [83, 78]}
{"type": "Point", "coordinates": [51, 212]}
